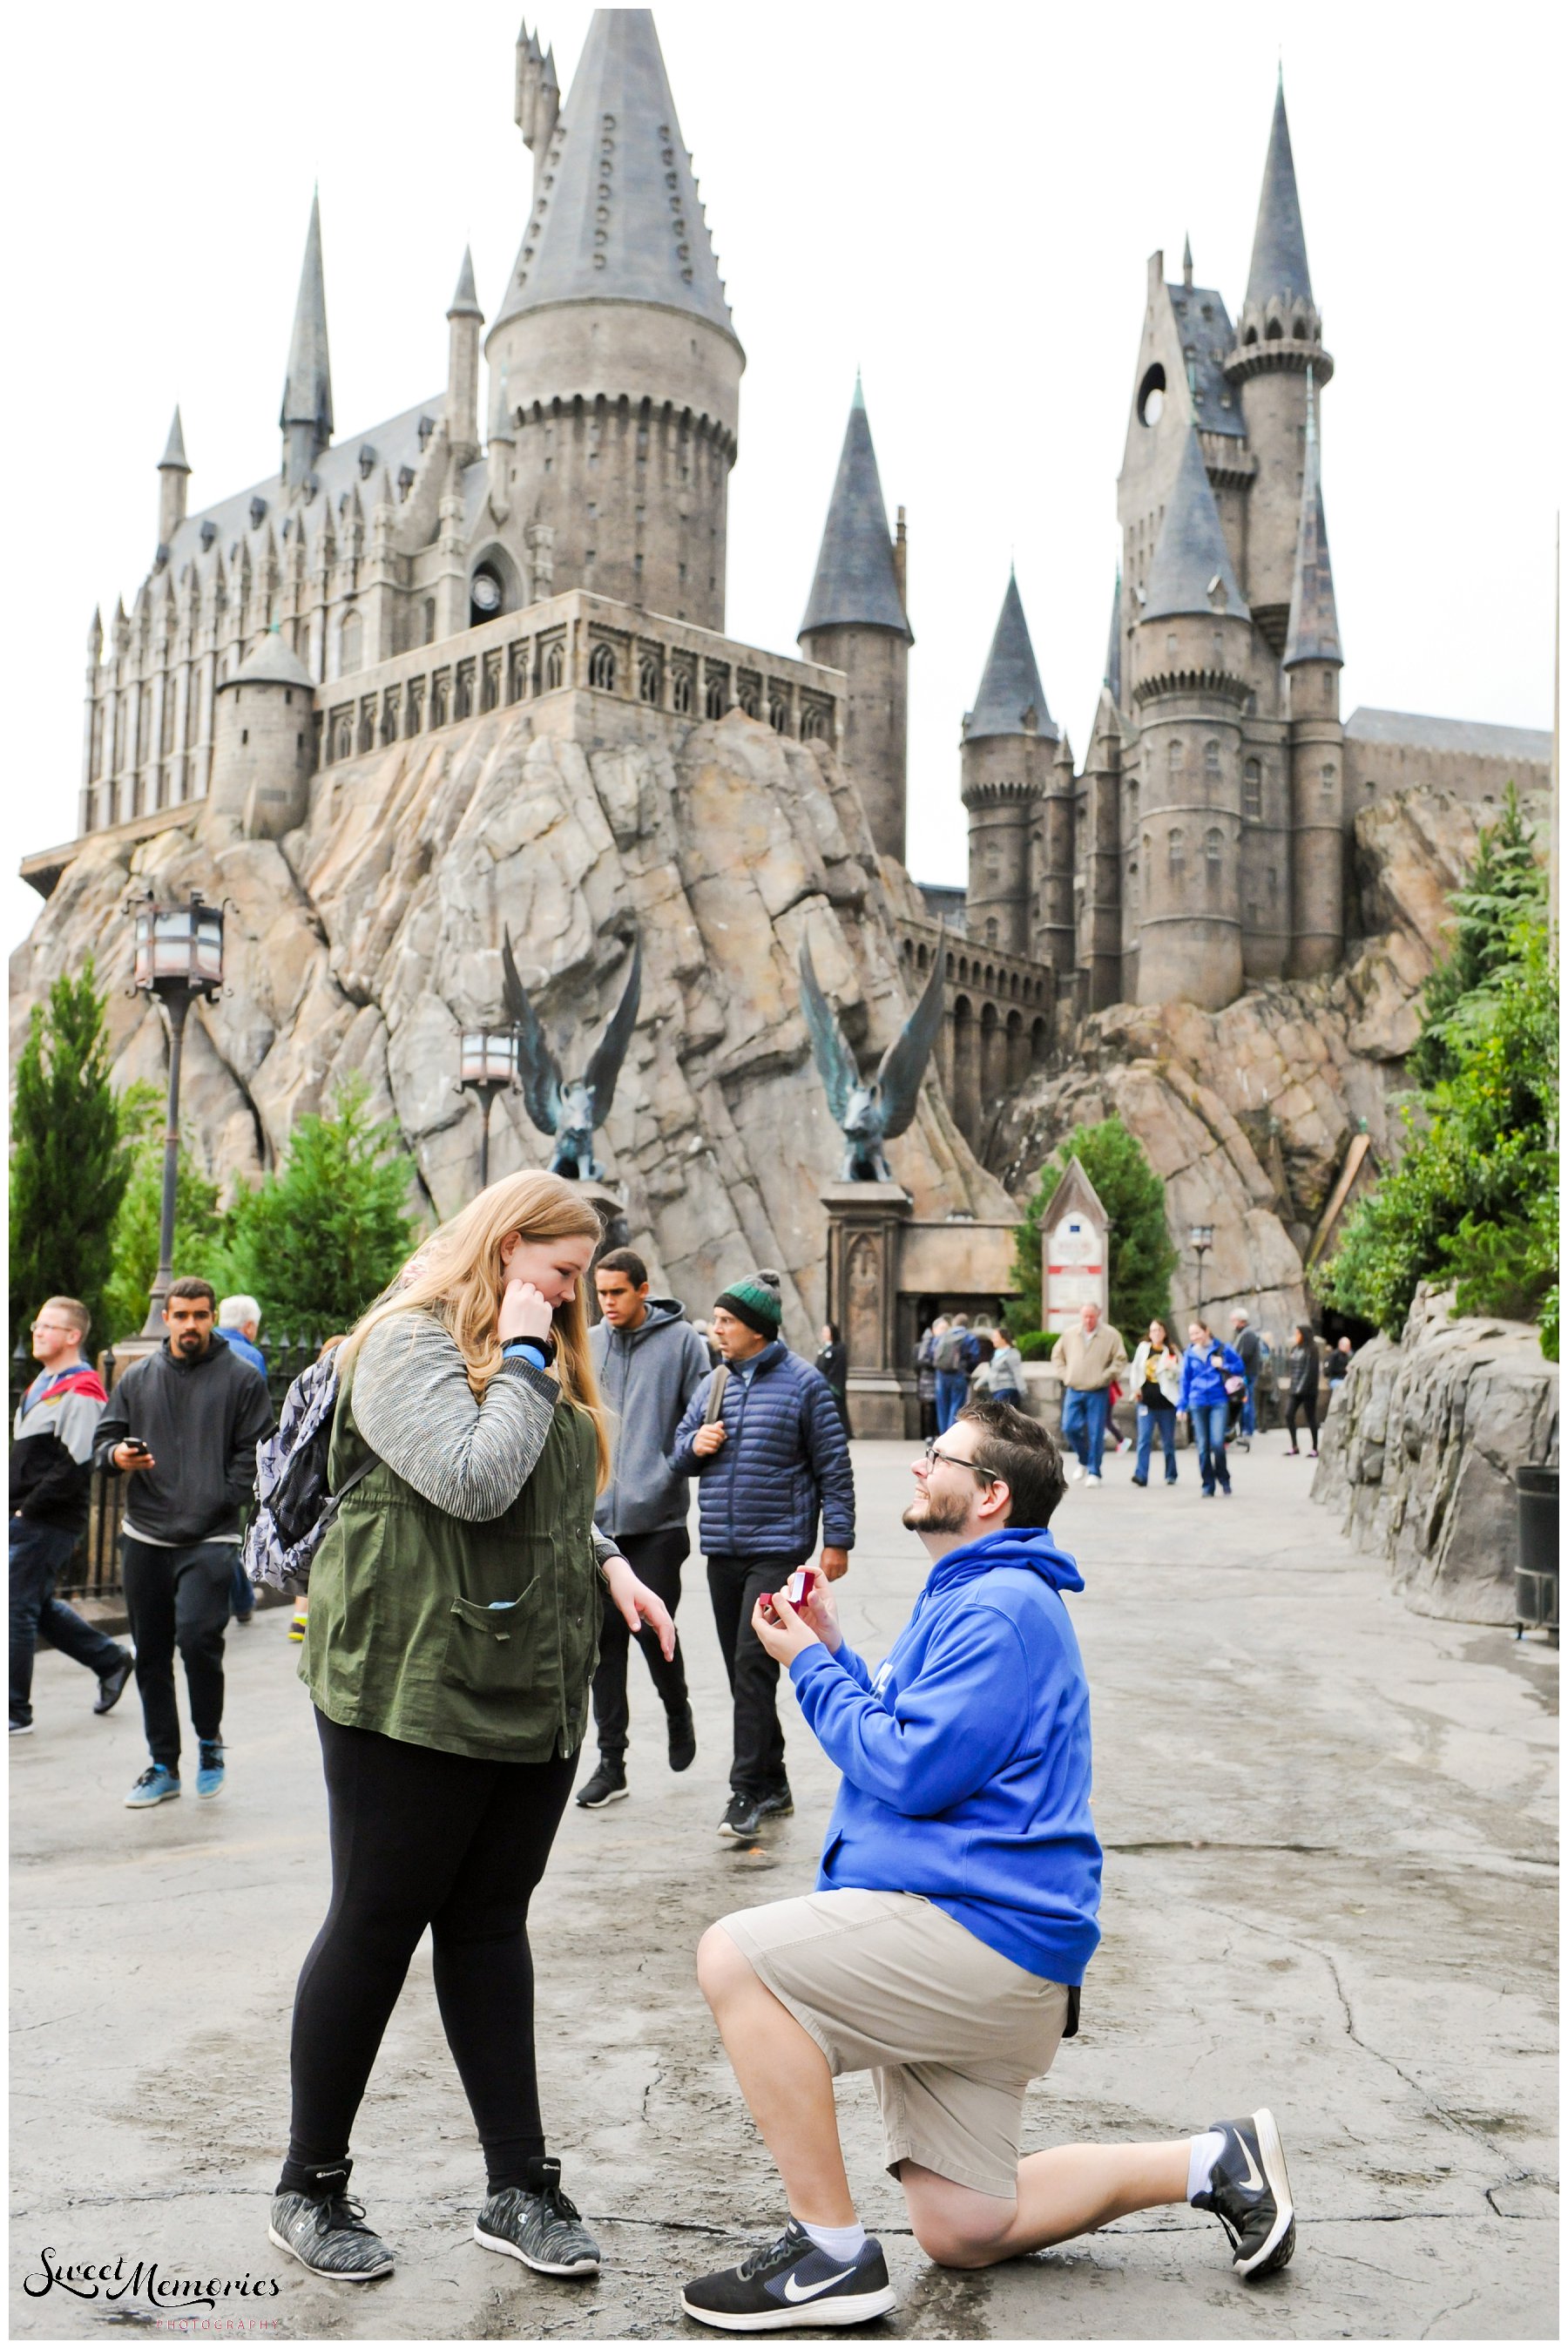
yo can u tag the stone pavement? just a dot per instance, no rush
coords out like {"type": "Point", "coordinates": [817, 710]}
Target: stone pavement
{"type": "Point", "coordinates": [1330, 1885]}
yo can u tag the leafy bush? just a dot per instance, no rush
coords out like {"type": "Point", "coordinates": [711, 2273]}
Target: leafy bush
{"type": "Point", "coordinates": [1141, 1257]}
{"type": "Point", "coordinates": [1504, 886]}
{"type": "Point", "coordinates": [1035, 1345]}
{"type": "Point", "coordinates": [319, 1241]}
{"type": "Point", "coordinates": [68, 1171]}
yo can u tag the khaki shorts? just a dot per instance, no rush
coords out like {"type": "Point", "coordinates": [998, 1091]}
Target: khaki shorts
{"type": "Point", "coordinates": [951, 2032]}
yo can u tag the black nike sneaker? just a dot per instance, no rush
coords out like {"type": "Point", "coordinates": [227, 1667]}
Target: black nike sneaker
{"type": "Point", "coordinates": [792, 2283]}
{"type": "Point", "coordinates": [1249, 2193]}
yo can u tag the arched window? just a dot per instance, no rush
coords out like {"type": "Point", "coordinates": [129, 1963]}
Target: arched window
{"type": "Point", "coordinates": [350, 644]}
{"type": "Point", "coordinates": [1176, 855]}
{"type": "Point", "coordinates": [714, 702]}
{"type": "Point", "coordinates": [1174, 754]}
{"type": "Point", "coordinates": [554, 667]}
{"type": "Point", "coordinates": [680, 692]}
{"type": "Point", "coordinates": [602, 668]}
{"type": "Point", "coordinates": [1211, 757]}
{"type": "Point", "coordinates": [429, 620]}
{"type": "Point", "coordinates": [1329, 777]}
{"type": "Point", "coordinates": [813, 723]}
{"type": "Point", "coordinates": [648, 679]}
{"type": "Point", "coordinates": [1252, 790]}
{"type": "Point", "coordinates": [1273, 332]}
{"type": "Point", "coordinates": [1299, 330]}
{"type": "Point", "coordinates": [993, 934]}
{"type": "Point", "coordinates": [779, 716]}
{"type": "Point", "coordinates": [1213, 850]}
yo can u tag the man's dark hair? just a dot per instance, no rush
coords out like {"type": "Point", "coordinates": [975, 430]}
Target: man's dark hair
{"type": "Point", "coordinates": [192, 1286]}
{"type": "Point", "coordinates": [624, 1261]}
{"type": "Point", "coordinates": [1024, 1454]}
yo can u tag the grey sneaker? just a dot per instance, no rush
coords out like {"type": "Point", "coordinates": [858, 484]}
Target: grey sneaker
{"type": "Point", "coordinates": [328, 2236]}
{"type": "Point", "coordinates": [538, 2225]}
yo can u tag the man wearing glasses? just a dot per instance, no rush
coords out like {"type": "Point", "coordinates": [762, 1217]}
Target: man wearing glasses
{"type": "Point", "coordinates": [51, 1466]}
{"type": "Point", "coordinates": [954, 1917]}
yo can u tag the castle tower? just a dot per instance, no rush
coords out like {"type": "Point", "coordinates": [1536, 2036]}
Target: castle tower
{"type": "Point", "coordinates": [1100, 916]}
{"type": "Point", "coordinates": [264, 741]}
{"type": "Point", "coordinates": [856, 621]}
{"type": "Point", "coordinates": [306, 418]}
{"type": "Point", "coordinates": [1190, 658]}
{"type": "Point", "coordinates": [464, 320]}
{"type": "Point", "coordinates": [1004, 761]}
{"type": "Point", "coordinates": [173, 479]}
{"type": "Point", "coordinates": [1313, 660]}
{"type": "Point", "coordinates": [1278, 338]}
{"type": "Point", "coordinates": [622, 368]}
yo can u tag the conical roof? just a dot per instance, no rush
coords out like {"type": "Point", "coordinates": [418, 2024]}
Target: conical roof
{"type": "Point", "coordinates": [856, 585]}
{"type": "Point", "coordinates": [272, 662]}
{"type": "Point", "coordinates": [1192, 570]}
{"type": "Point", "coordinates": [173, 459]}
{"type": "Point", "coordinates": [1010, 689]}
{"type": "Point", "coordinates": [617, 217]}
{"type": "Point", "coordinates": [307, 388]}
{"type": "Point", "coordinates": [1313, 631]}
{"type": "Point", "coordinates": [465, 302]}
{"type": "Point", "coordinates": [1112, 677]}
{"type": "Point", "coordinates": [1279, 243]}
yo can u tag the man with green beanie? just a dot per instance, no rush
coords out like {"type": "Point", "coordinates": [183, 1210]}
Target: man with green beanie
{"type": "Point", "coordinates": [764, 1439]}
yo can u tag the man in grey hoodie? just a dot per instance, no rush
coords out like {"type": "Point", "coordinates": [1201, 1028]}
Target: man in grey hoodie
{"type": "Point", "coordinates": [650, 1363]}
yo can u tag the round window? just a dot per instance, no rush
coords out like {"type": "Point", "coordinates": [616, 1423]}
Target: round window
{"type": "Point", "coordinates": [486, 592]}
{"type": "Point", "coordinates": [1151, 396]}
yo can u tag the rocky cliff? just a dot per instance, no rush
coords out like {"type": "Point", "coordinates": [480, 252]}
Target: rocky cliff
{"type": "Point", "coordinates": [365, 940]}
{"type": "Point", "coordinates": [1418, 1455]}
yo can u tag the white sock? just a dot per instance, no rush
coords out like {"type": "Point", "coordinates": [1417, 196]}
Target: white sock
{"type": "Point", "coordinates": [1202, 2154]}
{"type": "Point", "coordinates": [838, 2242]}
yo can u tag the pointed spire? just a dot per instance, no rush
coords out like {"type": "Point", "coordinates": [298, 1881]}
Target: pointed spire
{"type": "Point", "coordinates": [1186, 261]}
{"type": "Point", "coordinates": [465, 302]}
{"type": "Point", "coordinates": [1011, 699]}
{"type": "Point", "coordinates": [95, 635]}
{"type": "Point", "coordinates": [1314, 632]}
{"type": "Point", "coordinates": [1112, 677]}
{"type": "Point", "coordinates": [857, 581]}
{"type": "Point", "coordinates": [1192, 570]}
{"type": "Point", "coordinates": [173, 459]}
{"type": "Point", "coordinates": [633, 234]}
{"type": "Point", "coordinates": [1279, 271]}
{"type": "Point", "coordinates": [307, 414]}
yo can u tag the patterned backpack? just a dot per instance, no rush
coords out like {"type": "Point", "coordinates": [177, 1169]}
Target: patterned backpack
{"type": "Point", "coordinates": [295, 1502]}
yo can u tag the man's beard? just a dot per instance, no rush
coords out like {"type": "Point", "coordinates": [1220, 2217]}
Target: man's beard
{"type": "Point", "coordinates": [928, 1512]}
{"type": "Point", "coordinates": [192, 1343]}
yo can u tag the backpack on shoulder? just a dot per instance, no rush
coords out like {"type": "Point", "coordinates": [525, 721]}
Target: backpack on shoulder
{"type": "Point", "coordinates": [295, 1502]}
{"type": "Point", "coordinates": [949, 1355]}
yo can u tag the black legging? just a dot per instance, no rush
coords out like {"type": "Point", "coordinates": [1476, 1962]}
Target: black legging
{"type": "Point", "coordinates": [425, 1838]}
{"type": "Point", "coordinates": [1307, 1404]}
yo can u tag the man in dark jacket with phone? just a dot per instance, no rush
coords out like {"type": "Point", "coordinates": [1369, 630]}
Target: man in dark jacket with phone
{"type": "Point", "coordinates": [770, 1451]}
{"type": "Point", "coordinates": [183, 1424]}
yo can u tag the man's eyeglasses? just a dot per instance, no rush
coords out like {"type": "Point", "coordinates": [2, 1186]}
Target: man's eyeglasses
{"type": "Point", "coordinates": [933, 1452]}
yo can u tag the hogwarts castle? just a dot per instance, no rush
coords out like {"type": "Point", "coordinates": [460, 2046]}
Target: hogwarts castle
{"type": "Point", "coordinates": [385, 587]}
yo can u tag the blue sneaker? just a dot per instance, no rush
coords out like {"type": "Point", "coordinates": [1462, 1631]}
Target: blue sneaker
{"type": "Point", "coordinates": [156, 1784]}
{"type": "Point", "coordinates": [209, 1772]}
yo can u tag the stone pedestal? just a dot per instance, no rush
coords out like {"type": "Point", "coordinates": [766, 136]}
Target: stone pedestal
{"type": "Point", "coordinates": [865, 1238]}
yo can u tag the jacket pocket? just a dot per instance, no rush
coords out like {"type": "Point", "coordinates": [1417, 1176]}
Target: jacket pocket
{"type": "Point", "coordinates": [492, 1652]}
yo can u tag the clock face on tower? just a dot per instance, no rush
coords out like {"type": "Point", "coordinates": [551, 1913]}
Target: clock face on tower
{"type": "Point", "coordinates": [485, 590]}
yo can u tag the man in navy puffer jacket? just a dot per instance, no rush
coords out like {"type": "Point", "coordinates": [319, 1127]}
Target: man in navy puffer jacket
{"type": "Point", "coordinates": [955, 1913]}
{"type": "Point", "coordinates": [772, 1462]}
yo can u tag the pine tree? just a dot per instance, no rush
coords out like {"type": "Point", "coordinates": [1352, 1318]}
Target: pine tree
{"type": "Point", "coordinates": [1505, 882]}
{"type": "Point", "coordinates": [318, 1242]}
{"type": "Point", "coordinates": [198, 1224]}
{"type": "Point", "coordinates": [69, 1171]}
{"type": "Point", "coordinates": [1141, 1257]}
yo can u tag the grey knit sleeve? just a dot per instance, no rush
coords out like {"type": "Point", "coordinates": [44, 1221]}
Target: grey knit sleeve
{"type": "Point", "coordinates": [413, 1404]}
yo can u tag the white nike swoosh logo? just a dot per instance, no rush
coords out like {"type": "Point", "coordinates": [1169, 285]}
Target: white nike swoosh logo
{"type": "Point", "coordinates": [1252, 2181]}
{"type": "Point", "coordinates": [813, 2290]}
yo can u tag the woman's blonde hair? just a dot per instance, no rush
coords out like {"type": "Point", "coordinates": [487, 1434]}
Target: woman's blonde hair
{"type": "Point", "coordinates": [457, 1275]}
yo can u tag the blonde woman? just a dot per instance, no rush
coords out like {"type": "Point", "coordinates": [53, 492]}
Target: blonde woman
{"type": "Point", "coordinates": [453, 1628]}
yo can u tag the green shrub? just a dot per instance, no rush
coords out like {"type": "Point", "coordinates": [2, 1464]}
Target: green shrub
{"type": "Point", "coordinates": [68, 1170]}
{"type": "Point", "coordinates": [1035, 1345]}
{"type": "Point", "coordinates": [318, 1242]}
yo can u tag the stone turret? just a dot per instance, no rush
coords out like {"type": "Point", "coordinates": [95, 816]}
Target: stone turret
{"type": "Point", "coordinates": [1313, 659]}
{"type": "Point", "coordinates": [623, 366]}
{"type": "Point", "coordinates": [856, 621]}
{"type": "Point", "coordinates": [306, 418]}
{"type": "Point", "coordinates": [464, 319]}
{"type": "Point", "coordinates": [264, 742]}
{"type": "Point", "coordinates": [173, 478]}
{"type": "Point", "coordinates": [538, 108]}
{"type": "Point", "coordinates": [1279, 336]}
{"type": "Point", "coordinates": [1190, 664]}
{"type": "Point", "coordinates": [1005, 763]}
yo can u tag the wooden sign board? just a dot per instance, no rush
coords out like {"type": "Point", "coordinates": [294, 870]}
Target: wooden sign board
{"type": "Point", "coordinates": [1074, 1252]}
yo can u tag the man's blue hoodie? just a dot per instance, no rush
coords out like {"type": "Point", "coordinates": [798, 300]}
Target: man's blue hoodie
{"type": "Point", "coordinates": [966, 1760]}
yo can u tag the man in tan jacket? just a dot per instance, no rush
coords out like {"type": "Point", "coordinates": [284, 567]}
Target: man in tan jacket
{"type": "Point", "coordinates": [1091, 1357]}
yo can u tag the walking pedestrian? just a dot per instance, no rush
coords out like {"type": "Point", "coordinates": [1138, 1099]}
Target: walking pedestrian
{"type": "Point", "coordinates": [650, 1363]}
{"type": "Point", "coordinates": [239, 1320]}
{"type": "Point", "coordinates": [51, 1472]}
{"type": "Point", "coordinates": [183, 1424]}
{"type": "Point", "coordinates": [1247, 1346]}
{"type": "Point", "coordinates": [833, 1361]}
{"type": "Point", "coordinates": [1302, 1370]}
{"type": "Point", "coordinates": [956, 1353]}
{"type": "Point", "coordinates": [1206, 1402]}
{"type": "Point", "coordinates": [771, 1463]}
{"type": "Point", "coordinates": [925, 1374]}
{"type": "Point", "coordinates": [954, 1915]}
{"type": "Point", "coordinates": [1006, 1371]}
{"type": "Point", "coordinates": [1338, 1363]}
{"type": "Point", "coordinates": [453, 1622]}
{"type": "Point", "coordinates": [1092, 1357]}
{"type": "Point", "coordinates": [1156, 1389]}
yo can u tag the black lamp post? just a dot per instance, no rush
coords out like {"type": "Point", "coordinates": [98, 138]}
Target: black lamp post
{"type": "Point", "coordinates": [1200, 1237]}
{"type": "Point", "coordinates": [179, 956]}
{"type": "Point", "coordinates": [488, 1066]}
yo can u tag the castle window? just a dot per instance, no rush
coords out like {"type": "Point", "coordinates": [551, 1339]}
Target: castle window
{"type": "Point", "coordinates": [991, 934]}
{"type": "Point", "coordinates": [714, 701]}
{"type": "Point", "coordinates": [648, 679]}
{"type": "Point", "coordinates": [1299, 330]}
{"type": "Point", "coordinates": [1176, 855]}
{"type": "Point", "coordinates": [1151, 396]}
{"type": "Point", "coordinates": [1213, 850]}
{"type": "Point", "coordinates": [1329, 689]}
{"type": "Point", "coordinates": [429, 637]}
{"type": "Point", "coordinates": [1174, 754]}
{"type": "Point", "coordinates": [1211, 757]}
{"type": "Point", "coordinates": [680, 693]}
{"type": "Point", "coordinates": [1273, 332]}
{"type": "Point", "coordinates": [779, 716]}
{"type": "Point", "coordinates": [427, 425]}
{"type": "Point", "coordinates": [602, 668]}
{"type": "Point", "coordinates": [1329, 776]}
{"type": "Point", "coordinates": [350, 642]}
{"type": "Point", "coordinates": [1273, 877]}
{"type": "Point", "coordinates": [244, 736]}
{"type": "Point", "coordinates": [366, 461]}
{"type": "Point", "coordinates": [1171, 642]}
{"type": "Point", "coordinates": [404, 482]}
{"type": "Point", "coordinates": [554, 667]}
{"type": "Point", "coordinates": [1253, 792]}
{"type": "Point", "coordinates": [1250, 336]}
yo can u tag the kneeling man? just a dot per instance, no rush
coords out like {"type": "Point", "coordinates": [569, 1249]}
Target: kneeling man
{"type": "Point", "coordinates": [953, 1920]}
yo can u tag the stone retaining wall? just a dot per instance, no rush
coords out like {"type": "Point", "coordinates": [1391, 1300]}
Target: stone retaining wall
{"type": "Point", "coordinates": [1419, 1449]}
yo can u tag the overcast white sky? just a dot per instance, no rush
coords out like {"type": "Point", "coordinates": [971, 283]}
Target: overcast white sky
{"type": "Point", "coordinates": [959, 202]}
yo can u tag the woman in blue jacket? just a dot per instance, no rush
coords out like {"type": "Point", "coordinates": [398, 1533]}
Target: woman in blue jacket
{"type": "Point", "coordinates": [1205, 1366]}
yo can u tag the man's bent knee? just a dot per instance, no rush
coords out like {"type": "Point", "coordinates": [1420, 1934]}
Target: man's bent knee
{"type": "Point", "coordinates": [955, 2225]}
{"type": "Point", "coordinates": [721, 1968]}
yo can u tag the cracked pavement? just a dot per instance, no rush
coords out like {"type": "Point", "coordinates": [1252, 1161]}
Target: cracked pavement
{"type": "Point", "coordinates": [1330, 1886]}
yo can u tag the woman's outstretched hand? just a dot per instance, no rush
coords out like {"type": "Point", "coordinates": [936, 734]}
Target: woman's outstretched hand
{"type": "Point", "coordinates": [639, 1605]}
{"type": "Point", "coordinates": [524, 1312]}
